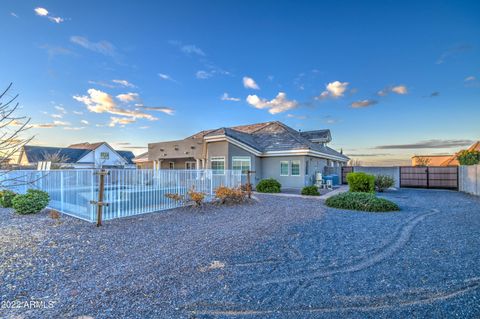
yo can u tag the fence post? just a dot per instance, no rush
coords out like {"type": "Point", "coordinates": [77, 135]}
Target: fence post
{"type": "Point", "coordinates": [100, 202]}
{"type": "Point", "coordinates": [249, 185]}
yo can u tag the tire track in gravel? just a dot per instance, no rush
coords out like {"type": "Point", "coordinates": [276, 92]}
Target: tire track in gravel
{"type": "Point", "coordinates": [370, 303]}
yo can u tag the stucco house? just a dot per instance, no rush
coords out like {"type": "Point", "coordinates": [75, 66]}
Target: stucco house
{"type": "Point", "coordinates": [83, 155]}
{"type": "Point", "coordinates": [271, 149]}
{"type": "Point", "coordinates": [441, 160]}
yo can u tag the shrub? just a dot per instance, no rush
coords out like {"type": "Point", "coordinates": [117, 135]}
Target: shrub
{"type": "Point", "coordinates": [361, 201]}
{"type": "Point", "coordinates": [466, 157]}
{"type": "Point", "coordinates": [6, 197]}
{"type": "Point", "coordinates": [196, 197]}
{"type": "Point", "coordinates": [31, 202]}
{"type": "Point", "coordinates": [310, 190]}
{"type": "Point", "coordinates": [361, 182]}
{"type": "Point", "coordinates": [175, 197]}
{"type": "Point", "coordinates": [382, 182]}
{"type": "Point", "coordinates": [269, 185]}
{"type": "Point", "coordinates": [227, 194]}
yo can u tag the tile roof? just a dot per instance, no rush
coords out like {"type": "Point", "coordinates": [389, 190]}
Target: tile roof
{"type": "Point", "coordinates": [275, 136]}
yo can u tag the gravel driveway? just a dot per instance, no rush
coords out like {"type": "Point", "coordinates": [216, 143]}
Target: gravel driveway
{"type": "Point", "coordinates": [277, 257]}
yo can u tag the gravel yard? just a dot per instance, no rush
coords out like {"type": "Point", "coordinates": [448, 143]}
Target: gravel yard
{"type": "Point", "coordinates": [278, 257]}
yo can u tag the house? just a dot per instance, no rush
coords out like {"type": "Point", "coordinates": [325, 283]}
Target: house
{"type": "Point", "coordinates": [441, 160]}
{"type": "Point", "coordinates": [142, 161]}
{"type": "Point", "coordinates": [83, 155]}
{"type": "Point", "coordinates": [271, 149]}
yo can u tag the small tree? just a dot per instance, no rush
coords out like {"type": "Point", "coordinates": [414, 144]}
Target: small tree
{"type": "Point", "coordinates": [466, 157]}
{"type": "Point", "coordinates": [56, 159]}
{"type": "Point", "coordinates": [422, 161]}
{"type": "Point", "coordinates": [12, 133]}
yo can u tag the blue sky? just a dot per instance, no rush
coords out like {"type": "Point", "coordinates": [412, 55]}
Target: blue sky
{"type": "Point", "coordinates": [389, 78]}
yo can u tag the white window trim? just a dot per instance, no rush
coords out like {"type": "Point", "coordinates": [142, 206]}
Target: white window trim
{"type": "Point", "coordinates": [299, 168]}
{"type": "Point", "coordinates": [190, 162]}
{"type": "Point", "coordinates": [218, 159]}
{"type": "Point", "coordinates": [288, 168]}
{"type": "Point", "coordinates": [243, 158]}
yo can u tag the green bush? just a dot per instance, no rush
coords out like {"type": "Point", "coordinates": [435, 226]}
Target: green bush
{"type": "Point", "coordinates": [269, 185]}
{"type": "Point", "coordinates": [361, 201]}
{"type": "Point", "coordinates": [383, 182]}
{"type": "Point", "coordinates": [466, 157]}
{"type": "Point", "coordinates": [310, 190]}
{"type": "Point", "coordinates": [6, 197]}
{"type": "Point", "coordinates": [31, 202]}
{"type": "Point", "coordinates": [361, 182]}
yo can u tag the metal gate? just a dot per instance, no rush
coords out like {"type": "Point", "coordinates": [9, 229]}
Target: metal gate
{"type": "Point", "coordinates": [429, 177]}
{"type": "Point", "coordinates": [345, 171]}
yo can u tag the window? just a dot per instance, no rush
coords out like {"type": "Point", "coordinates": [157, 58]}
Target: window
{"type": "Point", "coordinates": [104, 155]}
{"type": "Point", "coordinates": [283, 168]}
{"type": "Point", "coordinates": [306, 166]}
{"type": "Point", "coordinates": [171, 165]}
{"type": "Point", "coordinates": [218, 165]}
{"type": "Point", "coordinates": [242, 163]}
{"type": "Point", "coordinates": [189, 165]}
{"type": "Point", "coordinates": [295, 168]}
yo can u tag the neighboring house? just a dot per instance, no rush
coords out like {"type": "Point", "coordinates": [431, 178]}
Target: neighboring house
{"type": "Point", "coordinates": [272, 150]}
{"type": "Point", "coordinates": [441, 160]}
{"type": "Point", "coordinates": [142, 161]}
{"type": "Point", "coordinates": [84, 155]}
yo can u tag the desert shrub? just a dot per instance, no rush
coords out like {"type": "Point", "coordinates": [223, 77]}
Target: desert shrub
{"type": "Point", "coordinates": [31, 202]}
{"type": "Point", "coordinates": [6, 197]}
{"type": "Point", "coordinates": [232, 195]}
{"type": "Point", "coordinates": [361, 201]}
{"type": "Point", "coordinates": [466, 157]}
{"type": "Point", "coordinates": [269, 185]}
{"type": "Point", "coordinates": [383, 182]}
{"type": "Point", "coordinates": [361, 182]}
{"type": "Point", "coordinates": [175, 197]}
{"type": "Point", "coordinates": [196, 197]}
{"type": "Point", "coordinates": [310, 190]}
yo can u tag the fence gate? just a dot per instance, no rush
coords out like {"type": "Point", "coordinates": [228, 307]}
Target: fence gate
{"type": "Point", "coordinates": [345, 171]}
{"type": "Point", "coordinates": [429, 177]}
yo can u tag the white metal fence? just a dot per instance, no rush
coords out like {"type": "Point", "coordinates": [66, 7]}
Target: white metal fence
{"type": "Point", "coordinates": [469, 179]}
{"type": "Point", "coordinates": [128, 192]}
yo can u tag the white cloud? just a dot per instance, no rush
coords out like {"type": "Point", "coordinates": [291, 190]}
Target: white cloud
{"type": "Point", "coordinates": [226, 97]}
{"type": "Point", "coordinates": [203, 75]}
{"type": "Point", "coordinates": [163, 109]}
{"type": "Point", "coordinates": [334, 89]}
{"type": "Point", "coordinates": [400, 89]}
{"type": "Point", "coordinates": [74, 128]}
{"type": "Point", "coordinates": [144, 127]}
{"type": "Point", "coordinates": [56, 19]}
{"type": "Point", "coordinates": [44, 13]}
{"type": "Point", "coordinates": [41, 11]}
{"type": "Point", "coordinates": [102, 47]}
{"type": "Point", "coordinates": [124, 83]}
{"type": "Point", "coordinates": [250, 83]}
{"type": "Point", "coordinates": [363, 103]}
{"type": "Point", "coordinates": [101, 102]}
{"type": "Point", "coordinates": [84, 122]}
{"type": "Point", "coordinates": [77, 113]}
{"type": "Point", "coordinates": [190, 48]}
{"type": "Point", "coordinates": [120, 120]}
{"type": "Point", "coordinates": [57, 116]}
{"type": "Point", "coordinates": [279, 104]}
{"type": "Point", "coordinates": [128, 97]}
{"type": "Point", "coordinates": [61, 109]}
{"type": "Point", "coordinates": [50, 125]}
{"type": "Point", "coordinates": [166, 77]}
{"type": "Point", "coordinates": [470, 78]}
{"type": "Point", "coordinates": [13, 14]}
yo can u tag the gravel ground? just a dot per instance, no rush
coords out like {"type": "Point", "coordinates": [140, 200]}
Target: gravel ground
{"type": "Point", "coordinates": [277, 257]}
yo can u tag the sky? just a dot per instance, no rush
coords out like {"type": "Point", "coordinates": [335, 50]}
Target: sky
{"type": "Point", "coordinates": [390, 79]}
